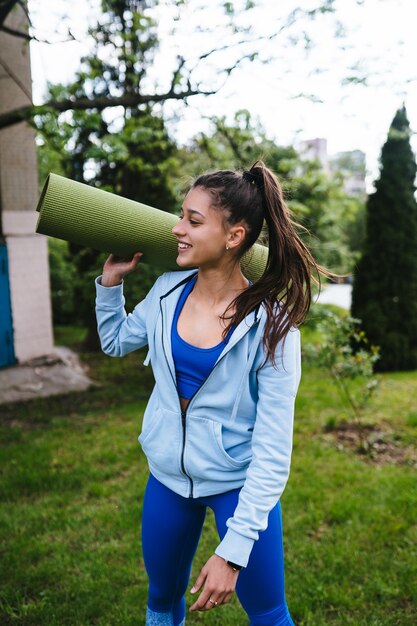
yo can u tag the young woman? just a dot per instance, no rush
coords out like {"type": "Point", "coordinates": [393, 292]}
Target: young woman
{"type": "Point", "coordinates": [217, 430]}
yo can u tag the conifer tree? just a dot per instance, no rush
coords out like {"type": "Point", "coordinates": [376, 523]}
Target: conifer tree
{"type": "Point", "coordinates": [385, 286]}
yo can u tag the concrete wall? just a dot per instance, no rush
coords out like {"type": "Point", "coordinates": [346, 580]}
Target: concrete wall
{"type": "Point", "coordinates": [28, 260]}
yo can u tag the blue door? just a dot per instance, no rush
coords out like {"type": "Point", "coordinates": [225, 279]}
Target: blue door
{"type": "Point", "coordinates": [6, 327]}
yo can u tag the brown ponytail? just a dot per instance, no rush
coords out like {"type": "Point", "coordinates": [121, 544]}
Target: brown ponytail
{"type": "Point", "coordinates": [285, 286]}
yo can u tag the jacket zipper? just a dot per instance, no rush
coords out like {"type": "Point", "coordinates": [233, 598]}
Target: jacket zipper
{"type": "Point", "coordinates": [184, 431]}
{"type": "Point", "coordinates": [184, 413]}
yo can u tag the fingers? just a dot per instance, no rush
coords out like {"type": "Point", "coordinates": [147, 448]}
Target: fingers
{"type": "Point", "coordinates": [120, 266]}
{"type": "Point", "coordinates": [227, 598]}
{"type": "Point", "coordinates": [210, 599]}
{"type": "Point", "coordinates": [131, 260]}
{"type": "Point", "coordinates": [212, 602]}
{"type": "Point", "coordinates": [135, 260]}
{"type": "Point", "coordinates": [217, 584]}
{"type": "Point", "coordinates": [199, 582]}
{"type": "Point", "coordinates": [203, 604]}
{"type": "Point", "coordinates": [206, 602]}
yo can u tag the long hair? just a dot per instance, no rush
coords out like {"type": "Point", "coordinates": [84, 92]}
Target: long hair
{"type": "Point", "coordinates": [285, 286]}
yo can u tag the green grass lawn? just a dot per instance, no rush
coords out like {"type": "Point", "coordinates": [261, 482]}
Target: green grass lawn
{"type": "Point", "coordinates": [72, 479]}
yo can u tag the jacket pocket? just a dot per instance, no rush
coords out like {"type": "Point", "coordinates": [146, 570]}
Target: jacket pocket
{"type": "Point", "coordinates": [160, 441]}
{"type": "Point", "coordinates": [205, 455]}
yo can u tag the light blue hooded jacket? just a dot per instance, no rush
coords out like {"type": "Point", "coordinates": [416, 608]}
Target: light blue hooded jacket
{"type": "Point", "coordinates": [237, 429]}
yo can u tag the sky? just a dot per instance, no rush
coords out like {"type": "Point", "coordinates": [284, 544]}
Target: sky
{"type": "Point", "coordinates": [379, 42]}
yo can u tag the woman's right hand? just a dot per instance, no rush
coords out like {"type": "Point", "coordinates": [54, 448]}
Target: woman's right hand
{"type": "Point", "coordinates": [116, 268]}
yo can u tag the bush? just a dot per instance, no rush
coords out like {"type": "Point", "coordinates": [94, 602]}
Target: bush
{"type": "Point", "coordinates": [342, 350]}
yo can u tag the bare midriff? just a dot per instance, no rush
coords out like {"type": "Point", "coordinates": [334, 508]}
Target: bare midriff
{"type": "Point", "coordinates": [184, 403]}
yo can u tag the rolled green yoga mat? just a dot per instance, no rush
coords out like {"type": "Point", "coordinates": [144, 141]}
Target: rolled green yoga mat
{"type": "Point", "coordinates": [105, 221]}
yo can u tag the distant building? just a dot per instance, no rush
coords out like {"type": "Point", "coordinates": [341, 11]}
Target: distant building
{"type": "Point", "coordinates": [315, 150]}
{"type": "Point", "coordinates": [351, 165]}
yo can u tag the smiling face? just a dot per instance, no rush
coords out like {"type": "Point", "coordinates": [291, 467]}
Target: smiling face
{"type": "Point", "coordinates": [202, 233]}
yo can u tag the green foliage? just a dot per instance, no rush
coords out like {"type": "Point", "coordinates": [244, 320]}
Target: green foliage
{"type": "Point", "coordinates": [231, 145]}
{"type": "Point", "coordinates": [62, 278]}
{"type": "Point", "coordinates": [327, 212]}
{"type": "Point", "coordinates": [355, 230]}
{"type": "Point", "coordinates": [384, 293]}
{"type": "Point", "coordinates": [341, 351]}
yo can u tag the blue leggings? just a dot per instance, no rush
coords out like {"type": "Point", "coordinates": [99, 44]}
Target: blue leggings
{"type": "Point", "coordinates": [171, 529]}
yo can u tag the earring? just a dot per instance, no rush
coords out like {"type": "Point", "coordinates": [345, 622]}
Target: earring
{"type": "Point", "coordinates": [227, 247]}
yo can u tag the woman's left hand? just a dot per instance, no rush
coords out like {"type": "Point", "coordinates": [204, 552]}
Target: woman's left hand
{"type": "Point", "coordinates": [218, 580]}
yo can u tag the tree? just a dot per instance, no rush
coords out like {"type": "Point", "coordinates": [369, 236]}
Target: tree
{"type": "Point", "coordinates": [385, 286]}
{"type": "Point", "coordinates": [131, 155]}
{"type": "Point", "coordinates": [240, 43]}
{"type": "Point", "coordinates": [6, 7]}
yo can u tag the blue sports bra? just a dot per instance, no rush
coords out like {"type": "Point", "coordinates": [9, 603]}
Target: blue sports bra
{"type": "Point", "coordinates": [192, 364]}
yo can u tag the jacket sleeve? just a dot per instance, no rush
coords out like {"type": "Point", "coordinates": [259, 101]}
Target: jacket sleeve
{"type": "Point", "coordinates": [121, 333]}
{"type": "Point", "coordinates": [269, 468]}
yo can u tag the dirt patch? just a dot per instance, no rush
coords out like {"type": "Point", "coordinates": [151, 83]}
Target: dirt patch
{"type": "Point", "coordinates": [376, 444]}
